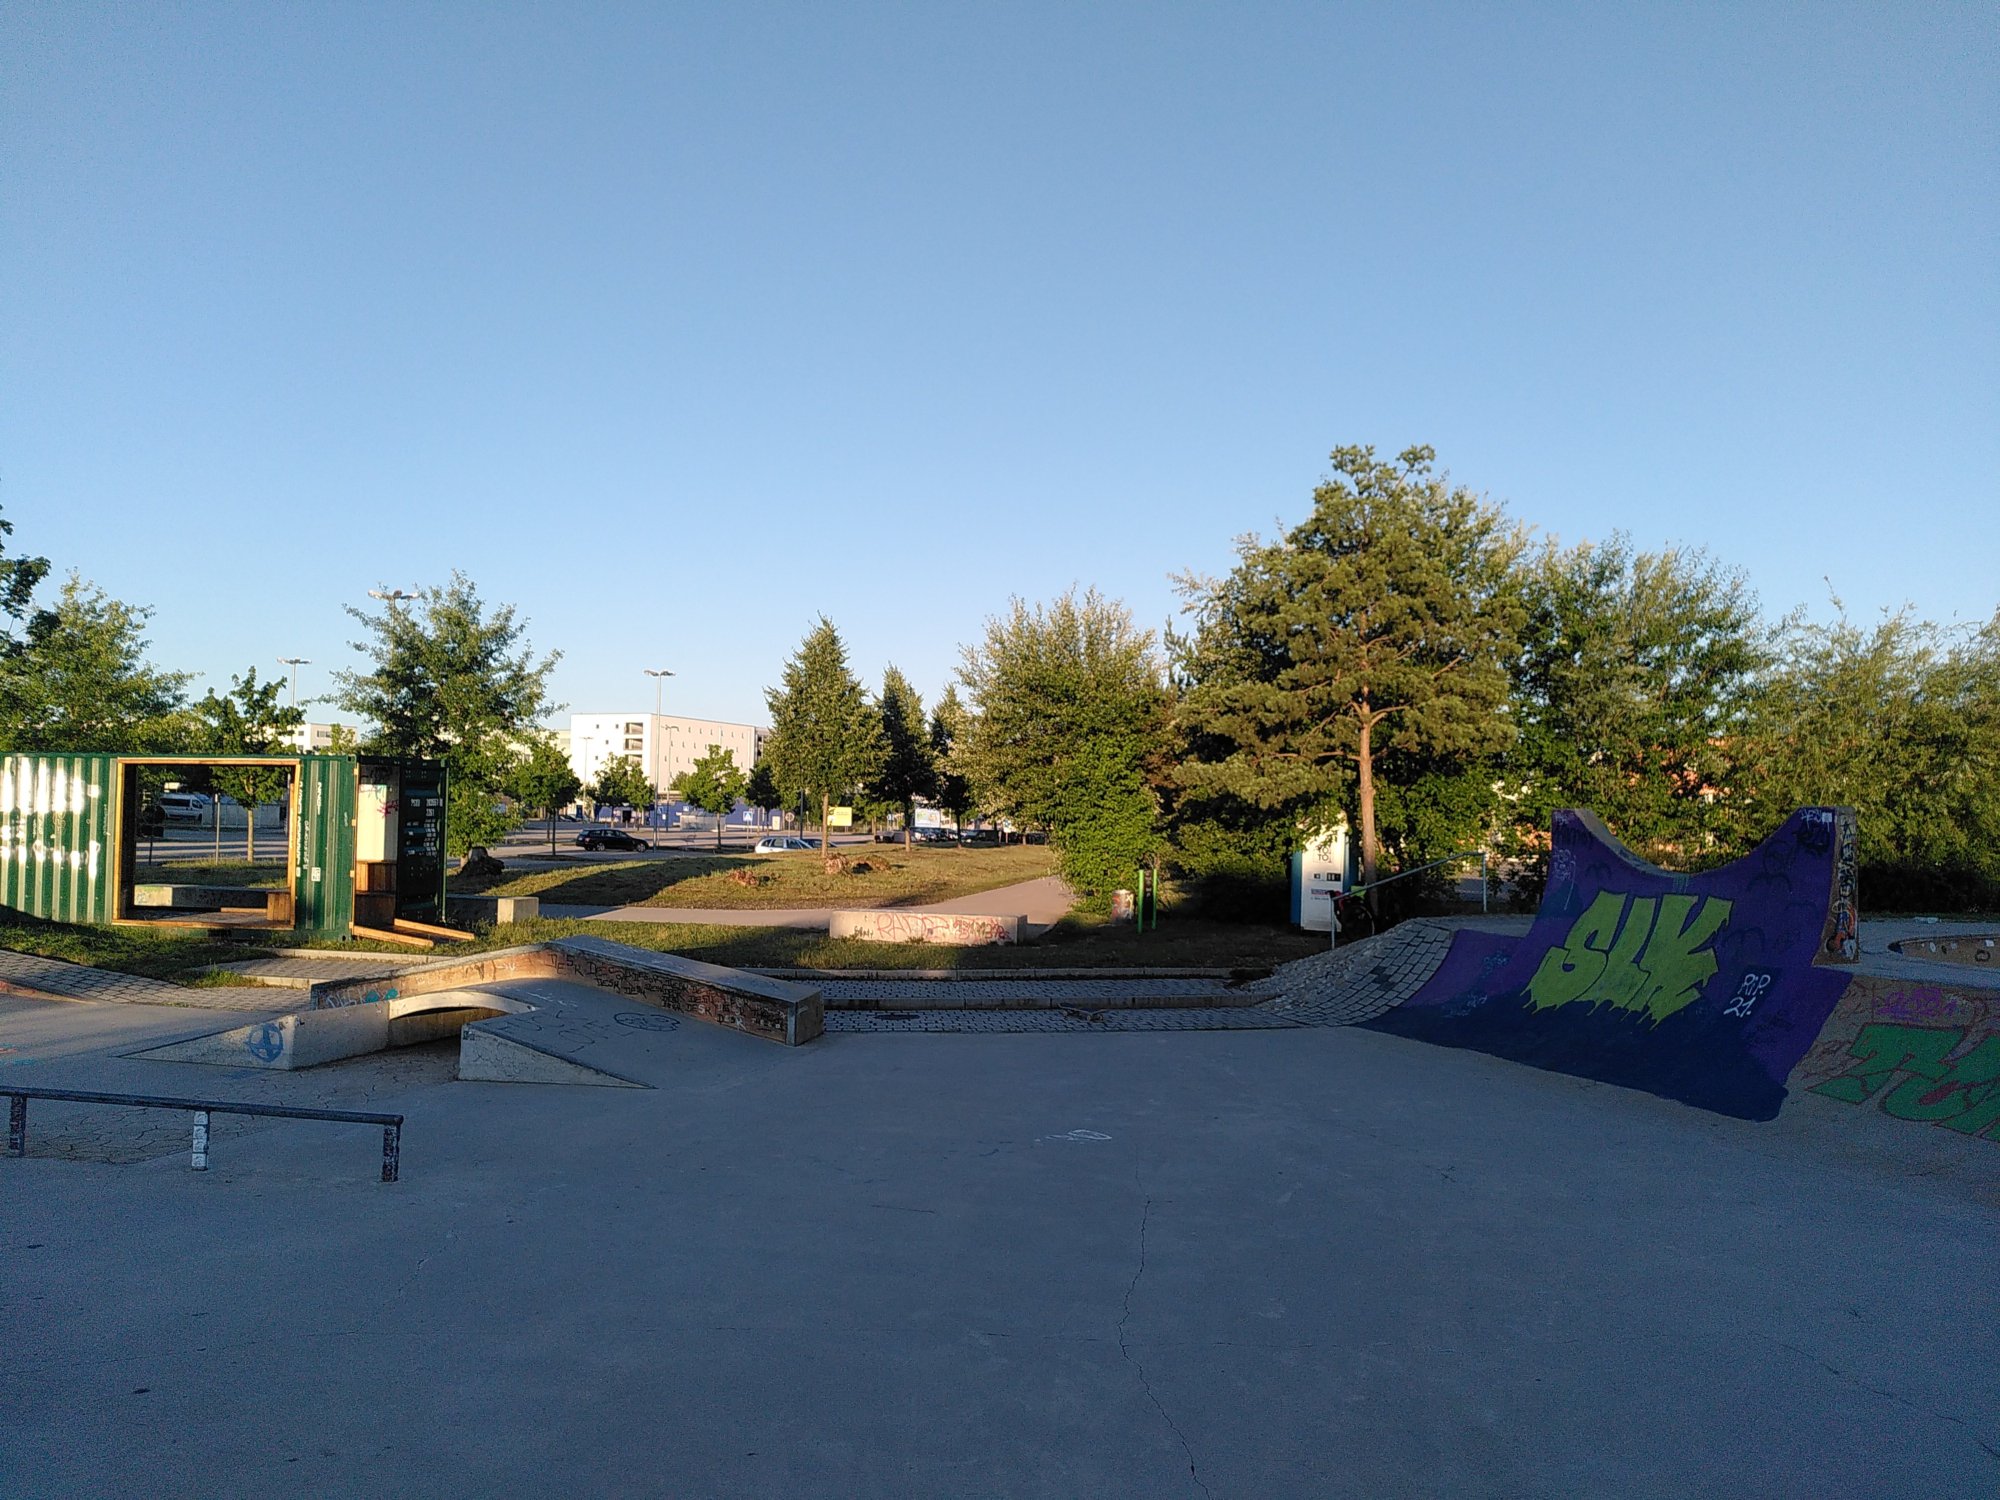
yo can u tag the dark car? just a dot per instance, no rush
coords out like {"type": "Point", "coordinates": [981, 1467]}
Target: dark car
{"type": "Point", "coordinates": [609, 838]}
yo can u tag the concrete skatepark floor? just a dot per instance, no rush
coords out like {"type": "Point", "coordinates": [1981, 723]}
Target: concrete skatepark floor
{"type": "Point", "coordinates": [1229, 1263]}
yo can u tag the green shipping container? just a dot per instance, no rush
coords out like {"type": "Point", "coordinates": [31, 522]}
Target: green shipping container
{"type": "Point", "coordinates": [68, 826]}
{"type": "Point", "coordinates": [57, 820]}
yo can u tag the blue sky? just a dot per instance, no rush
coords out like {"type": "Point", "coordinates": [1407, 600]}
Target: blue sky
{"type": "Point", "coordinates": [678, 326]}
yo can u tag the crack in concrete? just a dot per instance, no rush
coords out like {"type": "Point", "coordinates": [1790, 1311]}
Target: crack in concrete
{"type": "Point", "coordinates": [1875, 1390]}
{"type": "Point", "coordinates": [1125, 1351]}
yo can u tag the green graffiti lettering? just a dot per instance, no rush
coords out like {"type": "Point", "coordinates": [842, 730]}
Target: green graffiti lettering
{"type": "Point", "coordinates": [1886, 1050]}
{"type": "Point", "coordinates": [1963, 1096]}
{"type": "Point", "coordinates": [1963, 1088]}
{"type": "Point", "coordinates": [1677, 961]}
{"type": "Point", "coordinates": [1655, 959]}
{"type": "Point", "coordinates": [1622, 975]}
{"type": "Point", "coordinates": [1566, 973]}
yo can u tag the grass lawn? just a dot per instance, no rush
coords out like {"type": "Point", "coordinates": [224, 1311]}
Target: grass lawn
{"type": "Point", "coordinates": [894, 877]}
{"type": "Point", "coordinates": [264, 875]}
{"type": "Point", "coordinates": [1075, 943]}
{"type": "Point", "coordinates": [157, 953]}
{"type": "Point", "coordinates": [1078, 942]}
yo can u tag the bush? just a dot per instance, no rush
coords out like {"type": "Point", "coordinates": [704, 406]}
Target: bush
{"type": "Point", "coordinates": [1913, 887]}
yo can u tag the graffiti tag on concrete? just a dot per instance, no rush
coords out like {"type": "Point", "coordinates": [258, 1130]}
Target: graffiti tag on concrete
{"type": "Point", "coordinates": [1642, 953]}
{"type": "Point", "coordinates": [1961, 1093]}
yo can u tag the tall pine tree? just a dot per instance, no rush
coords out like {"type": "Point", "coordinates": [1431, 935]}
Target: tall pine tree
{"type": "Point", "coordinates": [826, 739]}
{"type": "Point", "coordinates": [909, 767]}
{"type": "Point", "coordinates": [1383, 621]}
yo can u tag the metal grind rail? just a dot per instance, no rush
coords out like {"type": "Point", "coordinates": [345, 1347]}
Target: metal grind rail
{"type": "Point", "coordinates": [17, 1118]}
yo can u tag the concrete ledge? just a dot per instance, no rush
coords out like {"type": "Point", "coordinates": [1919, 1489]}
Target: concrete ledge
{"type": "Point", "coordinates": [771, 1008]}
{"type": "Point", "coordinates": [958, 929]}
{"type": "Point", "coordinates": [1980, 948]}
{"type": "Point", "coordinates": [212, 897]}
{"type": "Point", "coordinates": [494, 909]}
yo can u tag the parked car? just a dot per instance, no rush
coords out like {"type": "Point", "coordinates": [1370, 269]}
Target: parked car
{"type": "Point", "coordinates": [183, 807]}
{"type": "Point", "coordinates": [609, 838]}
{"type": "Point", "coordinates": [784, 843]}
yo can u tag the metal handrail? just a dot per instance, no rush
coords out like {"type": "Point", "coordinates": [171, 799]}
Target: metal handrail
{"type": "Point", "coordinates": [1333, 936]}
{"type": "Point", "coordinates": [1447, 860]}
{"type": "Point", "coordinates": [19, 1095]}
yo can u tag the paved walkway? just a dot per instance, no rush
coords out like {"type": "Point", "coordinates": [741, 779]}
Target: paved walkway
{"type": "Point", "coordinates": [1043, 902]}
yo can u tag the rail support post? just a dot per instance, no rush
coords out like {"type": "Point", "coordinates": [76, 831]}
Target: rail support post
{"type": "Point", "coordinates": [17, 1125]}
{"type": "Point", "coordinates": [201, 1140]}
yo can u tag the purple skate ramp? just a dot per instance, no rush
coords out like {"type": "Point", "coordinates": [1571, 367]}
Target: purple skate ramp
{"type": "Point", "coordinates": [1704, 988]}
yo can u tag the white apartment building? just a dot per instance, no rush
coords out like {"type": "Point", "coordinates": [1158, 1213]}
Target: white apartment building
{"type": "Point", "coordinates": [319, 737]}
{"type": "Point", "coordinates": [665, 745]}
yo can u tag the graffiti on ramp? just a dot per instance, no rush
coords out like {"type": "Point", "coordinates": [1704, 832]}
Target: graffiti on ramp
{"type": "Point", "coordinates": [1704, 988]}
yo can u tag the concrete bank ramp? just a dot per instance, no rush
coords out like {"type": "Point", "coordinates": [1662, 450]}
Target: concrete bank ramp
{"type": "Point", "coordinates": [579, 1011]}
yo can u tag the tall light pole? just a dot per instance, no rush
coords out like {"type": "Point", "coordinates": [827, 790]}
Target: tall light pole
{"type": "Point", "coordinates": [657, 674]}
{"type": "Point", "coordinates": [295, 662]}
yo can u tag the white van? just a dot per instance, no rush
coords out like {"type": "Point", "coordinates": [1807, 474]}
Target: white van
{"type": "Point", "coordinates": [183, 807]}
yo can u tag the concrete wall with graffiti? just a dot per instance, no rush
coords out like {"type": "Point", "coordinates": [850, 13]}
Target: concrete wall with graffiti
{"type": "Point", "coordinates": [1704, 988]}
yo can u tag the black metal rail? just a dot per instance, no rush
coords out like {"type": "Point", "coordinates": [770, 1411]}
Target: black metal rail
{"type": "Point", "coordinates": [17, 1118]}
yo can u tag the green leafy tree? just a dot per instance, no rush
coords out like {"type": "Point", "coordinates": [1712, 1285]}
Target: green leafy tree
{"type": "Point", "coordinates": [448, 680]}
{"type": "Point", "coordinates": [19, 578]}
{"type": "Point", "coordinates": [78, 679]}
{"type": "Point", "coordinates": [1900, 721]}
{"type": "Point", "coordinates": [825, 739]}
{"type": "Point", "coordinates": [1636, 691]}
{"type": "Point", "coordinates": [909, 766]}
{"type": "Point", "coordinates": [544, 778]}
{"type": "Point", "coordinates": [713, 784]}
{"type": "Point", "coordinates": [621, 783]}
{"type": "Point", "coordinates": [248, 720]}
{"type": "Point", "coordinates": [1070, 710]}
{"type": "Point", "coordinates": [1383, 622]}
{"type": "Point", "coordinates": [761, 790]}
{"type": "Point", "coordinates": [949, 721]}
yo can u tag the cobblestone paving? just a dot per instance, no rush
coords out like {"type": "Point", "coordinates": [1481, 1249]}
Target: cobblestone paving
{"type": "Point", "coordinates": [1348, 985]}
{"type": "Point", "coordinates": [51, 976]}
{"type": "Point", "coordinates": [1191, 1018]}
{"type": "Point", "coordinates": [960, 994]}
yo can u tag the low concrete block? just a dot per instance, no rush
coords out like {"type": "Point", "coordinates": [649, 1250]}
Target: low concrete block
{"type": "Point", "coordinates": [958, 929]}
{"type": "Point", "coordinates": [494, 909]}
{"type": "Point", "coordinates": [308, 1038]}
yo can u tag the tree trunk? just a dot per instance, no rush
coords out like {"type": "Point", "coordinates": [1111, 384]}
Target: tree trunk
{"type": "Point", "coordinates": [718, 831]}
{"type": "Point", "coordinates": [250, 832]}
{"type": "Point", "coordinates": [909, 824]}
{"type": "Point", "coordinates": [825, 814]}
{"type": "Point", "coordinates": [1366, 758]}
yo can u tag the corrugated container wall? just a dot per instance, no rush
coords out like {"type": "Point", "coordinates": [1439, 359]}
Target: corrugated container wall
{"type": "Point", "coordinates": [55, 835]}
{"type": "Point", "coordinates": [324, 879]}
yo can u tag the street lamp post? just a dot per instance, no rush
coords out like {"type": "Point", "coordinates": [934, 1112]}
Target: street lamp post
{"type": "Point", "coordinates": [659, 676]}
{"type": "Point", "coordinates": [295, 662]}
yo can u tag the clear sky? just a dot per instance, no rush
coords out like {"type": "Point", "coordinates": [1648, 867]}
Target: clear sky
{"type": "Point", "coordinates": [679, 325]}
